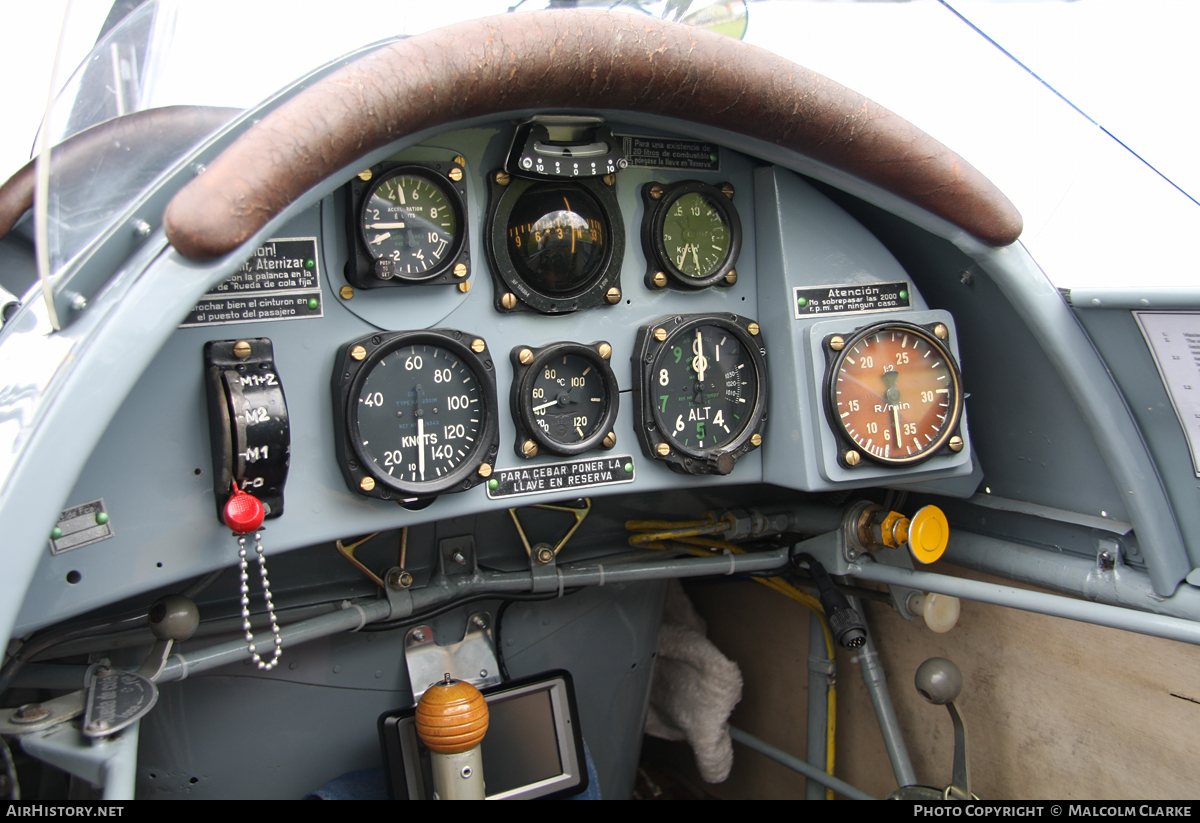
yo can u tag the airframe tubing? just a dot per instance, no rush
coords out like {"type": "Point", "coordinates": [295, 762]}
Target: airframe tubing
{"type": "Point", "coordinates": [1171, 628]}
{"type": "Point", "coordinates": [797, 765]}
{"type": "Point", "coordinates": [876, 682]}
{"type": "Point", "coordinates": [820, 672]}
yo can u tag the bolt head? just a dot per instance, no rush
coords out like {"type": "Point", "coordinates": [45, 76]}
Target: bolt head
{"type": "Point", "coordinates": [418, 636]}
{"type": "Point", "coordinates": [837, 342]}
{"type": "Point", "coordinates": [464, 286]}
{"type": "Point", "coordinates": [525, 357]}
{"type": "Point", "coordinates": [660, 334]}
{"type": "Point", "coordinates": [731, 278]}
{"type": "Point", "coordinates": [663, 449]}
{"type": "Point", "coordinates": [609, 179]}
{"type": "Point", "coordinates": [529, 448]}
{"type": "Point", "coordinates": [460, 269]}
{"type": "Point", "coordinates": [358, 353]}
{"type": "Point", "coordinates": [727, 190]}
{"type": "Point", "coordinates": [756, 439]}
{"type": "Point", "coordinates": [543, 555]}
{"type": "Point", "coordinates": [853, 458]}
{"type": "Point", "coordinates": [367, 484]}
{"type": "Point", "coordinates": [241, 349]}
{"type": "Point", "coordinates": [956, 443]}
{"type": "Point", "coordinates": [613, 295]}
{"type": "Point", "coordinates": [604, 350]}
{"type": "Point", "coordinates": [346, 293]}
{"type": "Point", "coordinates": [509, 300]}
{"type": "Point", "coordinates": [753, 328]}
{"type": "Point", "coordinates": [455, 175]}
{"type": "Point", "coordinates": [940, 331]}
{"type": "Point", "coordinates": [656, 192]}
{"type": "Point", "coordinates": [485, 470]}
{"type": "Point", "coordinates": [659, 279]}
{"type": "Point", "coordinates": [610, 440]}
{"type": "Point", "coordinates": [460, 160]}
{"type": "Point", "coordinates": [365, 175]}
{"type": "Point", "coordinates": [477, 345]}
{"type": "Point", "coordinates": [502, 178]}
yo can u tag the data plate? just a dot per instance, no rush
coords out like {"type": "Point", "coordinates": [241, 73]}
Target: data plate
{"type": "Point", "coordinates": [851, 298]}
{"type": "Point", "coordinates": [567, 476]}
{"type": "Point", "coordinates": [671, 153]}
{"type": "Point", "coordinates": [280, 282]}
{"type": "Point", "coordinates": [116, 699]}
{"type": "Point", "coordinates": [80, 526]}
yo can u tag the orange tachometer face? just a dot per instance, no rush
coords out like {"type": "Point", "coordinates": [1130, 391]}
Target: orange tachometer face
{"type": "Point", "coordinates": [895, 393]}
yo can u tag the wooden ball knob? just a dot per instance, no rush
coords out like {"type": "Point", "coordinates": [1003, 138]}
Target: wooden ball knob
{"type": "Point", "coordinates": [452, 717]}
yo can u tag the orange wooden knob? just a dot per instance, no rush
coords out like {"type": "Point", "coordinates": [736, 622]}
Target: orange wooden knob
{"type": "Point", "coordinates": [452, 717]}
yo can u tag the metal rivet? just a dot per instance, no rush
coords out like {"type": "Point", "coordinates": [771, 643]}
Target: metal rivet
{"type": "Point", "coordinates": [241, 349]}
{"type": "Point", "coordinates": [502, 178]}
{"type": "Point", "coordinates": [365, 175]}
{"type": "Point", "coordinates": [610, 440]}
{"type": "Point", "coordinates": [455, 175]}
{"type": "Point", "coordinates": [485, 470]}
{"type": "Point", "coordinates": [460, 269]}
{"type": "Point", "coordinates": [604, 350]}
{"type": "Point", "coordinates": [752, 328]}
{"type": "Point", "coordinates": [837, 343]}
{"type": "Point", "coordinates": [656, 192]}
{"type": "Point", "coordinates": [367, 484]}
{"type": "Point", "coordinates": [509, 300]}
{"type": "Point", "coordinates": [941, 332]}
{"type": "Point", "coordinates": [614, 295]}
{"type": "Point", "coordinates": [756, 440]}
{"type": "Point", "coordinates": [727, 190]}
{"type": "Point", "coordinates": [853, 458]}
{"type": "Point", "coordinates": [659, 279]}
{"type": "Point", "coordinates": [660, 335]}
{"type": "Point", "coordinates": [663, 449]}
{"type": "Point", "coordinates": [346, 293]}
{"type": "Point", "coordinates": [478, 346]}
{"type": "Point", "coordinates": [529, 448]}
{"type": "Point", "coordinates": [464, 286]}
{"type": "Point", "coordinates": [525, 357]}
{"type": "Point", "coordinates": [956, 443]}
{"type": "Point", "coordinates": [731, 278]}
{"type": "Point", "coordinates": [358, 352]}
{"type": "Point", "coordinates": [609, 179]}
{"type": "Point", "coordinates": [466, 772]}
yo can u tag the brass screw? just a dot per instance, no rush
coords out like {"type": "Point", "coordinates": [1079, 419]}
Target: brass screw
{"type": "Point", "coordinates": [464, 286]}
{"type": "Point", "coordinates": [941, 332]}
{"type": "Point", "coordinates": [604, 350]}
{"type": "Point", "coordinates": [837, 343]}
{"type": "Point", "coordinates": [731, 278]}
{"type": "Point", "coordinates": [656, 192]}
{"type": "Point", "coordinates": [756, 440]}
{"type": "Point", "coordinates": [956, 443]}
{"type": "Point", "coordinates": [609, 179]}
{"type": "Point", "coordinates": [346, 292]}
{"type": "Point", "coordinates": [529, 448]}
{"type": "Point", "coordinates": [358, 352]}
{"type": "Point", "coordinates": [852, 458]}
{"type": "Point", "coordinates": [502, 178]}
{"type": "Point", "coordinates": [399, 579]}
{"type": "Point", "coordinates": [543, 555]}
{"type": "Point", "coordinates": [752, 328]}
{"type": "Point", "coordinates": [485, 470]}
{"type": "Point", "coordinates": [365, 175]}
{"type": "Point", "coordinates": [660, 334]}
{"type": "Point", "coordinates": [460, 160]}
{"type": "Point", "coordinates": [460, 269]}
{"type": "Point", "coordinates": [241, 349]}
{"type": "Point", "coordinates": [663, 449]}
{"type": "Point", "coordinates": [525, 356]}
{"type": "Point", "coordinates": [727, 190]}
{"type": "Point", "coordinates": [478, 346]}
{"type": "Point", "coordinates": [367, 483]}
{"type": "Point", "coordinates": [508, 300]}
{"type": "Point", "coordinates": [455, 175]}
{"type": "Point", "coordinates": [610, 440]}
{"type": "Point", "coordinates": [614, 295]}
{"type": "Point", "coordinates": [660, 279]}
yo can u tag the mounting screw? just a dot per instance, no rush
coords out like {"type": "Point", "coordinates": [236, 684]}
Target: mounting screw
{"type": "Point", "coordinates": [78, 302]}
{"type": "Point", "coordinates": [142, 228]}
{"type": "Point", "coordinates": [464, 286]}
{"type": "Point", "coordinates": [30, 713]}
{"type": "Point", "coordinates": [398, 579]}
{"type": "Point", "coordinates": [756, 439]}
{"type": "Point", "coordinates": [659, 279]}
{"type": "Point", "coordinates": [609, 179]}
{"type": "Point", "coordinates": [509, 300]}
{"type": "Point", "coordinates": [525, 357]}
{"type": "Point", "coordinates": [941, 332]}
{"type": "Point", "coordinates": [502, 178]}
{"type": "Point", "coordinates": [1106, 560]}
{"type": "Point", "coordinates": [485, 470]}
{"type": "Point", "coordinates": [455, 175]}
{"type": "Point", "coordinates": [458, 557]}
{"type": "Point", "coordinates": [460, 269]}
{"type": "Point", "coordinates": [241, 349]}
{"type": "Point", "coordinates": [656, 192]}
{"type": "Point", "coordinates": [837, 342]}
{"type": "Point", "coordinates": [479, 622]}
{"type": "Point", "coordinates": [727, 190]}
{"type": "Point", "coordinates": [852, 458]}
{"type": "Point", "coordinates": [753, 328]}
{"type": "Point", "coordinates": [731, 278]}
{"type": "Point", "coordinates": [358, 352]}
{"type": "Point", "coordinates": [660, 334]}
{"type": "Point", "coordinates": [543, 554]}
{"type": "Point", "coordinates": [610, 440]}
{"type": "Point", "coordinates": [98, 726]}
{"type": "Point", "coordinates": [604, 350]}
{"type": "Point", "coordinates": [955, 444]}
{"type": "Point", "coordinates": [663, 449]}
{"type": "Point", "coordinates": [614, 295]}
{"type": "Point", "coordinates": [477, 345]}
{"type": "Point", "coordinates": [460, 160]}
{"type": "Point", "coordinates": [367, 484]}
{"type": "Point", "coordinates": [529, 448]}
{"type": "Point", "coordinates": [346, 293]}
{"type": "Point", "coordinates": [365, 175]}
{"type": "Point", "coordinates": [418, 636]}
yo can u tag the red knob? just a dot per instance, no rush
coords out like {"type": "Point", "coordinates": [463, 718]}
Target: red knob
{"type": "Point", "coordinates": [243, 512]}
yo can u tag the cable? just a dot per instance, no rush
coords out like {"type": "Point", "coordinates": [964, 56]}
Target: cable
{"type": "Point", "coordinates": [413, 619]}
{"type": "Point", "coordinates": [499, 644]}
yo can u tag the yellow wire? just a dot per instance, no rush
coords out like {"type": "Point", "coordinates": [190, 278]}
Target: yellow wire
{"type": "Point", "coordinates": [656, 533]}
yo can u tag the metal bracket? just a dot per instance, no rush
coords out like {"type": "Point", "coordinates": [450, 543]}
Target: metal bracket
{"type": "Point", "coordinates": [34, 717]}
{"type": "Point", "coordinates": [397, 578]}
{"type": "Point", "coordinates": [472, 659]}
{"type": "Point", "coordinates": [544, 553]}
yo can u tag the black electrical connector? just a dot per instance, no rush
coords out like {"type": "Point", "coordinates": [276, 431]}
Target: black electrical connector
{"type": "Point", "coordinates": [845, 623]}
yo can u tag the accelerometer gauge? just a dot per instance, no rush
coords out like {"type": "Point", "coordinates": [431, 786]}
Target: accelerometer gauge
{"type": "Point", "coordinates": [700, 391]}
{"type": "Point", "coordinates": [564, 398]}
{"type": "Point", "coordinates": [691, 235]}
{"type": "Point", "coordinates": [416, 413]}
{"type": "Point", "coordinates": [408, 225]}
{"type": "Point", "coordinates": [554, 247]}
{"type": "Point", "coordinates": [893, 393]}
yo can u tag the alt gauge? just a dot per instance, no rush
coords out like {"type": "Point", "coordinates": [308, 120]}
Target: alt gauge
{"type": "Point", "coordinates": [564, 398]}
{"type": "Point", "coordinates": [691, 235]}
{"type": "Point", "coordinates": [701, 389]}
{"type": "Point", "coordinates": [415, 413]}
{"type": "Point", "coordinates": [893, 393]}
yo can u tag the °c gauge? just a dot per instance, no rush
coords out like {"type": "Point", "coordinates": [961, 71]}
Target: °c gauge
{"type": "Point", "coordinates": [700, 391]}
{"type": "Point", "coordinates": [564, 398]}
{"type": "Point", "coordinates": [691, 235]}
{"type": "Point", "coordinates": [893, 393]}
{"type": "Point", "coordinates": [415, 413]}
{"type": "Point", "coordinates": [407, 225]}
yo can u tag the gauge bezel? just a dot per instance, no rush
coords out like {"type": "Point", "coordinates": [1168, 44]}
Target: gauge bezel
{"type": "Point", "coordinates": [360, 270]}
{"type": "Point", "coordinates": [348, 379]}
{"type": "Point", "coordinates": [650, 428]}
{"type": "Point", "coordinates": [501, 201]}
{"type": "Point", "coordinates": [524, 376]}
{"type": "Point", "coordinates": [655, 217]}
{"type": "Point", "coordinates": [834, 361]}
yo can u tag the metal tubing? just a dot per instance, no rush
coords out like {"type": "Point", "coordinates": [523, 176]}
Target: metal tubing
{"type": "Point", "coordinates": [598, 574]}
{"type": "Point", "coordinates": [797, 765]}
{"type": "Point", "coordinates": [876, 680]}
{"type": "Point", "coordinates": [1171, 628]}
{"type": "Point", "coordinates": [820, 667]}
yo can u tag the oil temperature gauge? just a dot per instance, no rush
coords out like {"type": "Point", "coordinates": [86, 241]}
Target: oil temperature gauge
{"type": "Point", "coordinates": [893, 393]}
{"type": "Point", "coordinates": [564, 398]}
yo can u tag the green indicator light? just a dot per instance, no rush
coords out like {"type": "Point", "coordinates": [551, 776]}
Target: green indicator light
{"type": "Point", "coordinates": [55, 533]}
{"type": "Point", "coordinates": [801, 301]}
{"type": "Point", "coordinates": [493, 484]}
{"type": "Point", "coordinates": [903, 294]}
{"type": "Point", "coordinates": [713, 157]}
{"type": "Point", "coordinates": [308, 264]}
{"type": "Point", "coordinates": [313, 304]}
{"type": "Point", "coordinates": [101, 518]}
{"type": "Point", "coordinates": [629, 468]}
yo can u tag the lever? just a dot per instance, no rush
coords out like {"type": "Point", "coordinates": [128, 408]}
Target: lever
{"type": "Point", "coordinates": [452, 719]}
{"type": "Point", "coordinates": [939, 681]}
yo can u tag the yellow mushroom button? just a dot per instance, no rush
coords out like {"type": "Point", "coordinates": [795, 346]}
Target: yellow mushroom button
{"type": "Point", "coordinates": [928, 534]}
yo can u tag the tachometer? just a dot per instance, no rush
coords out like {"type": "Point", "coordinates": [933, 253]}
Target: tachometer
{"type": "Point", "coordinates": [416, 412]}
{"type": "Point", "coordinates": [701, 391]}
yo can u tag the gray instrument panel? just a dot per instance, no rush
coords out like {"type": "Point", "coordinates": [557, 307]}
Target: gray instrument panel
{"type": "Point", "coordinates": [152, 467]}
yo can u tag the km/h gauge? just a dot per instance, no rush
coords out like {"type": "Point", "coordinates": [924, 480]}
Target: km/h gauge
{"type": "Point", "coordinates": [415, 413]}
{"type": "Point", "coordinates": [893, 393]}
{"type": "Point", "coordinates": [691, 235]}
{"type": "Point", "coordinates": [564, 398]}
{"type": "Point", "coordinates": [700, 391]}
